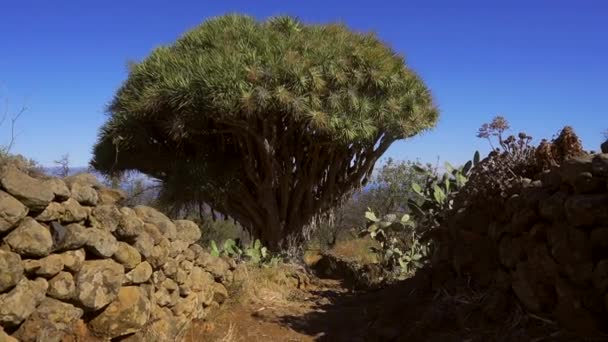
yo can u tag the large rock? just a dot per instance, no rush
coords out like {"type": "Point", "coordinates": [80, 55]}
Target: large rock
{"type": "Point", "coordinates": [600, 276]}
{"type": "Point", "coordinates": [571, 168]}
{"type": "Point", "coordinates": [73, 260]}
{"type": "Point", "coordinates": [30, 239]}
{"type": "Point", "coordinates": [604, 147]}
{"type": "Point", "coordinates": [98, 283]}
{"type": "Point", "coordinates": [83, 178]}
{"type": "Point", "coordinates": [144, 244]}
{"type": "Point", "coordinates": [51, 321]}
{"type": "Point", "coordinates": [11, 270]}
{"type": "Point", "coordinates": [129, 226]}
{"type": "Point", "coordinates": [127, 314]}
{"type": "Point", "coordinates": [62, 286]}
{"type": "Point", "coordinates": [584, 210]}
{"type": "Point", "coordinates": [72, 236]}
{"type": "Point", "coordinates": [153, 216]}
{"type": "Point", "coordinates": [34, 193]}
{"type": "Point", "coordinates": [105, 217]}
{"type": "Point", "coordinates": [53, 212]}
{"type": "Point", "coordinates": [21, 301]}
{"type": "Point", "coordinates": [11, 211]}
{"type": "Point", "coordinates": [188, 231]}
{"type": "Point", "coordinates": [73, 211]}
{"type": "Point", "coordinates": [552, 209]}
{"type": "Point", "coordinates": [599, 165]}
{"type": "Point", "coordinates": [84, 194]}
{"type": "Point", "coordinates": [110, 196]}
{"type": "Point", "coordinates": [139, 274]}
{"type": "Point", "coordinates": [127, 255]}
{"type": "Point", "coordinates": [59, 188]}
{"type": "Point", "coordinates": [218, 267]}
{"type": "Point", "coordinates": [101, 242]}
{"type": "Point", "coordinates": [45, 267]}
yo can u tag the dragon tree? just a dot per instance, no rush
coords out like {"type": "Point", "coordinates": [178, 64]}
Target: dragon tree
{"type": "Point", "coordinates": [270, 122]}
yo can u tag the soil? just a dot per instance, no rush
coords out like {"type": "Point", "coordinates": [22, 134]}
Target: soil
{"type": "Point", "coordinates": [409, 311]}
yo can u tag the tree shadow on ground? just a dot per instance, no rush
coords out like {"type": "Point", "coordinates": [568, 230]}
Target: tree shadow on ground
{"type": "Point", "coordinates": [412, 311]}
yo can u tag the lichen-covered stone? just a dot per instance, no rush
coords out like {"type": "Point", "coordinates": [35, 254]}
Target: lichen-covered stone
{"type": "Point", "coordinates": [11, 211]}
{"type": "Point", "coordinates": [21, 301]}
{"type": "Point", "coordinates": [127, 255]}
{"type": "Point", "coordinates": [130, 225]}
{"type": "Point", "coordinates": [105, 217]}
{"type": "Point", "coordinates": [30, 238]}
{"type": "Point", "coordinates": [84, 193]}
{"type": "Point", "coordinates": [11, 270]}
{"type": "Point", "coordinates": [101, 242]}
{"type": "Point", "coordinates": [98, 283]}
{"type": "Point", "coordinates": [153, 216]}
{"type": "Point", "coordinates": [188, 231]}
{"type": "Point", "coordinates": [50, 322]}
{"type": "Point", "coordinates": [62, 286]}
{"type": "Point", "coordinates": [128, 313]}
{"type": "Point", "coordinates": [30, 191]}
{"type": "Point", "coordinates": [73, 211]}
{"type": "Point", "coordinates": [139, 274]}
{"type": "Point", "coordinates": [72, 236]}
{"type": "Point", "coordinates": [44, 267]}
{"type": "Point", "coordinates": [73, 260]}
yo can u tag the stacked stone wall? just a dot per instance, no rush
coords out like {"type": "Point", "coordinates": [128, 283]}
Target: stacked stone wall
{"type": "Point", "coordinates": [71, 258]}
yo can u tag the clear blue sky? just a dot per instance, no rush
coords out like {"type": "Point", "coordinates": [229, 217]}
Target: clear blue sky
{"type": "Point", "coordinates": [543, 64]}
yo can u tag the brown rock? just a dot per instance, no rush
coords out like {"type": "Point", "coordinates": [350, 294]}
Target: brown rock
{"type": "Point", "coordinates": [105, 217]}
{"type": "Point", "coordinates": [51, 321]}
{"type": "Point", "coordinates": [178, 247]}
{"type": "Point", "coordinates": [45, 267]}
{"type": "Point", "coordinates": [83, 178]}
{"type": "Point", "coordinates": [53, 212]}
{"type": "Point", "coordinates": [101, 242]}
{"type": "Point", "coordinates": [552, 209]}
{"type": "Point", "coordinates": [72, 236]}
{"type": "Point", "coordinates": [73, 260]}
{"type": "Point", "coordinates": [139, 274]}
{"type": "Point", "coordinates": [585, 183]}
{"type": "Point", "coordinates": [84, 194]}
{"type": "Point", "coordinates": [571, 168]}
{"type": "Point", "coordinates": [599, 238]}
{"type": "Point", "coordinates": [599, 165]}
{"type": "Point", "coordinates": [153, 216]}
{"type": "Point", "coordinates": [21, 301]}
{"type": "Point", "coordinates": [11, 270]}
{"type": "Point", "coordinates": [62, 286]}
{"type": "Point", "coordinates": [220, 294]}
{"type": "Point", "coordinates": [218, 267]}
{"type": "Point", "coordinates": [98, 283]}
{"type": "Point", "coordinates": [127, 314]}
{"type": "Point", "coordinates": [73, 211]}
{"type": "Point", "coordinates": [188, 231]}
{"type": "Point", "coordinates": [158, 256]}
{"type": "Point", "coordinates": [110, 196]}
{"type": "Point", "coordinates": [127, 255]}
{"type": "Point", "coordinates": [129, 226]}
{"type": "Point", "coordinates": [4, 337]}
{"type": "Point", "coordinates": [30, 191]}
{"type": "Point", "coordinates": [11, 211]}
{"type": "Point", "coordinates": [584, 210]}
{"type": "Point", "coordinates": [30, 238]}
{"type": "Point", "coordinates": [58, 188]}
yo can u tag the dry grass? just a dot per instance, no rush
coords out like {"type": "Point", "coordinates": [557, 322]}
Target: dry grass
{"type": "Point", "coordinates": [356, 250]}
{"type": "Point", "coordinates": [272, 285]}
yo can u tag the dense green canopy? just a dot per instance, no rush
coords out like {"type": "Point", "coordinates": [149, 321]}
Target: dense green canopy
{"type": "Point", "coordinates": [287, 116]}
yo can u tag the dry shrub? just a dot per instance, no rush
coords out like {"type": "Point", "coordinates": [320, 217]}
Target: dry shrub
{"type": "Point", "coordinates": [268, 285]}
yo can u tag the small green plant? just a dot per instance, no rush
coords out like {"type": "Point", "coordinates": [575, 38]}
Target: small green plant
{"type": "Point", "coordinates": [436, 195]}
{"type": "Point", "coordinates": [256, 253]}
{"type": "Point", "coordinates": [400, 250]}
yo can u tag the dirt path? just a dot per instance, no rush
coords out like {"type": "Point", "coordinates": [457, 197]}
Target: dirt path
{"type": "Point", "coordinates": [409, 311]}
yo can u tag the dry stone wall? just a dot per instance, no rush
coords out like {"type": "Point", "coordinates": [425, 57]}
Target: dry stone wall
{"type": "Point", "coordinates": [70, 256]}
{"type": "Point", "coordinates": [548, 246]}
